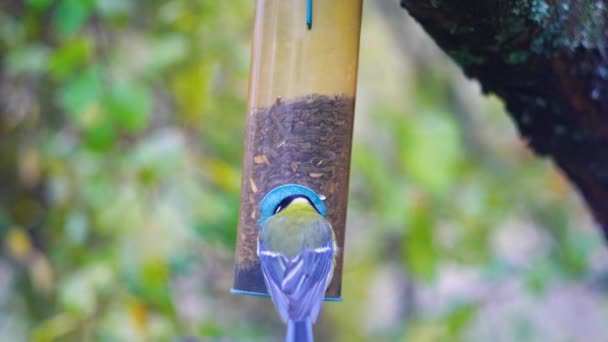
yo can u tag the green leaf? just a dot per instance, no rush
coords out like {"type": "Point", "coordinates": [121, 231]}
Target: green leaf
{"type": "Point", "coordinates": [77, 295]}
{"type": "Point", "coordinates": [431, 150]}
{"type": "Point", "coordinates": [80, 93]}
{"type": "Point", "coordinates": [182, 263]}
{"type": "Point", "coordinates": [54, 328]}
{"type": "Point", "coordinates": [191, 88]}
{"type": "Point", "coordinates": [459, 318]}
{"type": "Point", "coordinates": [217, 220]}
{"type": "Point", "coordinates": [28, 59]}
{"type": "Point", "coordinates": [12, 31]}
{"type": "Point", "coordinates": [150, 283]}
{"type": "Point", "coordinates": [421, 255]}
{"type": "Point", "coordinates": [540, 276]}
{"type": "Point", "coordinates": [38, 5]}
{"type": "Point", "coordinates": [100, 135]}
{"type": "Point", "coordinates": [70, 56]}
{"type": "Point", "coordinates": [112, 8]}
{"type": "Point", "coordinates": [157, 155]}
{"type": "Point", "coordinates": [69, 16]}
{"type": "Point", "coordinates": [129, 104]}
{"type": "Point", "coordinates": [211, 329]}
{"type": "Point", "coordinates": [79, 292]}
{"type": "Point", "coordinates": [166, 51]}
{"type": "Point", "coordinates": [98, 192]}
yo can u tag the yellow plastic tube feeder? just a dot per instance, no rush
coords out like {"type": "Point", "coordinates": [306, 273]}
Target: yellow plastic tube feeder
{"type": "Point", "coordinates": [300, 120]}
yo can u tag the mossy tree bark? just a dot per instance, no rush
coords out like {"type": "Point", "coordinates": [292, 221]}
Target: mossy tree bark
{"type": "Point", "coordinates": [548, 60]}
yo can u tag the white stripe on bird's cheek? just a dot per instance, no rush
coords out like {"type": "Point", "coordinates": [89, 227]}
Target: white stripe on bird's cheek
{"type": "Point", "coordinates": [300, 200]}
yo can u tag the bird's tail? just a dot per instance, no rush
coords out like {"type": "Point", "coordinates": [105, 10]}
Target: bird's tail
{"type": "Point", "coordinates": [299, 331]}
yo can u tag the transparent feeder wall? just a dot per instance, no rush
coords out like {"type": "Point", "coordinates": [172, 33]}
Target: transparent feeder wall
{"type": "Point", "coordinates": [300, 118]}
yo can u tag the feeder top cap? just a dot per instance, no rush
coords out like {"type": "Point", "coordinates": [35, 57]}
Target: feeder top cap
{"type": "Point", "coordinates": [274, 197]}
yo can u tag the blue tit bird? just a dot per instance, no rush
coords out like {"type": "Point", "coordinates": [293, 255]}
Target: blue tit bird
{"type": "Point", "coordinates": [297, 249]}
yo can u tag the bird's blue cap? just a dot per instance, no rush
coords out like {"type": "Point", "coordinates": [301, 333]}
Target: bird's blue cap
{"type": "Point", "coordinates": [274, 197]}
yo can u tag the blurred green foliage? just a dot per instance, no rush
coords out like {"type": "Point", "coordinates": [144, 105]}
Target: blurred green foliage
{"type": "Point", "coordinates": [121, 131]}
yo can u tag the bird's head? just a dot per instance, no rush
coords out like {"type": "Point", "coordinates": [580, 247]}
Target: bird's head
{"type": "Point", "coordinates": [294, 201]}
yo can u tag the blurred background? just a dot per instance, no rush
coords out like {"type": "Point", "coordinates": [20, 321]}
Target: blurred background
{"type": "Point", "coordinates": [121, 129]}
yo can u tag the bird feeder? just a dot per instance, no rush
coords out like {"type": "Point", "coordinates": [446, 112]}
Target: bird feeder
{"type": "Point", "coordinates": [299, 122]}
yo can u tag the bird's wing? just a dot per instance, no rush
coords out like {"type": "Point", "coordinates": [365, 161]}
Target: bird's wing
{"type": "Point", "coordinates": [306, 290]}
{"type": "Point", "coordinates": [273, 268]}
{"type": "Point", "coordinates": [298, 284]}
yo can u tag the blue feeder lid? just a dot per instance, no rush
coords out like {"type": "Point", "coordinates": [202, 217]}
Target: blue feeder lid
{"type": "Point", "coordinates": [275, 196]}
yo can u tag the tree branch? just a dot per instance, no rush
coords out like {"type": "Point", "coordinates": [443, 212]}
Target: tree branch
{"type": "Point", "coordinates": [548, 60]}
